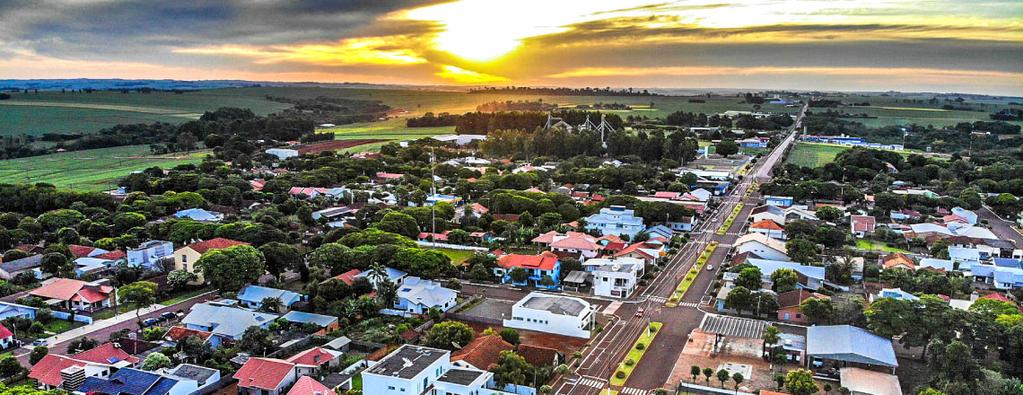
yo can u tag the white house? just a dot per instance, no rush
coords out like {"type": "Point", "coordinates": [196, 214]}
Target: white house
{"type": "Point", "coordinates": [762, 246]}
{"type": "Point", "coordinates": [413, 370]}
{"type": "Point", "coordinates": [617, 277]}
{"type": "Point", "coordinates": [416, 295]}
{"type": "Point", "coordinates": [225, 321]}
{"type": "Point", "coordinates": [149, 254]}
{"type": "Point", "coordinates": [562, 315]}
{"type": "Point", "coordinates": [768, 212]}
{"type": "Point", "coordinates": [252, 296]}
{"type": "Point", "coordinates": [282, 153]}
{"type": "Point", "coordinates": [616, 220]}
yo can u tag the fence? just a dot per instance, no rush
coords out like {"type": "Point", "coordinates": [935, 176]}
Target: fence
{"type": "Point", "coordinates": [475, 318]}
{"type": "Point", "coordinates": [702, 389]}
{"type": "Point", "coordinates": [66, 316]}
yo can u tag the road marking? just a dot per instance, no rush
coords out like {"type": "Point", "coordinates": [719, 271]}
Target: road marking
{"type": "Point", "coordinates": [611, 308]}
{"type": "Point", "coordinates": [658, 299]}
{"type": "Point", "coordinates": [634, 391]}
{"type": "Point", "coordinates": [593, 383]}
{"type": "Point", "coordinates": [689, 304]}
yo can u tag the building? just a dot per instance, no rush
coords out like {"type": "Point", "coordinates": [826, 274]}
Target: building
{"type": "Point", "coordinates": [562, 315]}
{"type": "Point", "coordinates": [418, 296]}
{"type": "Point", "coordinates": [315, 192]}
{"type": "Point", "coordinates": [282, 153]}
{"type": "Point", "coordinates": [999, 277]}
{"type": "Point", "coordinates": [898, 260]}
{"type": "Point", "coordinates": [149, 255]}
{"type": "Point", "coordinates": [481, 352]}
{"type": "Point", "coordinates": [616, 278]}
{"type": "Point", "coordinates": [969, 216]}
{"type": "Point", "coordinates": [545, 265]}
{"type": "Point", "coordinates": [57, 371]}
{"type": "Point", "coordinates": [420, 370]}
{"type": "Point", "coordinates": [848, 346]}
{"type": "Point", "coordinates": [768, 228]}
{"type": "Point", "coordinates": [6, 338]}
{"type": "Point", "coordinates": [307, 385]}
{"type": "Point", "coordinates": [186, 257]}
{"type": "Point", "coordinates": [310, 361]}
{"type": "Point", "coordinates": [788, 305]}
{"type": "Point", "coordinates": [964, 258]}
{"type": "Point", "coordinates": [201, 215]}
{"type": "Point", "coordinates": [265, 376]}
{"type": "Point", "coordinates": [810, 277]}
{"type": "Point", "coordinates": [69, 294]}
{"type": "Point", "coordinates": [616, 220]}
{"type": "Point", "coordinates": [206, 379]}
{"type": "Point", "coordinates": [762, 246]}
{"type": "Point", "coordinates": [649, 251]}
{"type": "Point", "coordinates": [394, 276]}
{"type": "Point", "coordinates": [576, 244]}
{"type": "Point", "coordinates": [129, 381]}
{"type": "Point", "coordinates": [862, 225]}
{"type": "Point", "coordinates": [326, 323]}
{"type": "Point", "coordinates": [252, 296]}
{"type": "Point", "coordinates": [894, 293]}
{"type": "Point", "coordinates": [29, 264]}
{"type": "Point", "coordinates": [868, 382]}
{"type": "Point", "coordinates": [435, 198]}
{"type": "Point", "coordinates": [95, 266]}
{"type": "Point", "coordinates": [768, 212]}
{"type": "Point", "coordinates": [779, 201]}
{"type": "Point", "coordinates": [226, 322]}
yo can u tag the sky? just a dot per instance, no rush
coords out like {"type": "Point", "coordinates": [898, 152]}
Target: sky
{"type": "Point", "coordinates": [971, 46]}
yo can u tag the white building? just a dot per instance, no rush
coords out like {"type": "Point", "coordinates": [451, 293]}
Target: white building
{"type": "Point", "coordinates": [413, 370]}
{"type": "Point", "coordinates": [615, 278]}
{"type": "Point", "coordinates": [416, 295]}
{"type": "Point", "coordinates": [562, 315]}
{"type": "Point", "coordinates": [762, 246]}
{"type": "Point", "coordinates": [148, 254]}
{"type": "Point", "coordinates": [616, 220]}
{"type": "Point", "coordinates": [282, 153]}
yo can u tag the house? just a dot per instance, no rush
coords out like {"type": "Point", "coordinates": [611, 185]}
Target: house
{"type": "Point", "coordinates": [779, 201]}
{"type": "Point", "coordinates": [6, 338]}
{"type": "Point", "coordinates": [576, 244]}
{"type": "Point", "coordinates": [848, 346]}
{"type": "Point", "coordinates": [129, 381]}
{"type": "Point", "coordinates": [964, 258]}
{"type": "Point", "coordinates": [898, 260]}
{"type": "Point", "coordinates": [265, 376]}
{"type": "Point", "coordinates": [326, 323]}
{"type": "Point", "coordinates": [810, 277]}
{"type": "Point", "coordinates": [435, 198]}
{"type": "Point", "coordinates": [205, 378]}
{"type": "Point", "coordinates": [894, 293]}
{"type": "Point", "coordinates": [540, 355]}
{"type": "Point", "coordinates": [684, 224]}
{"type": "Point", "coordinates": [394, 276]}
{"type": "Point", "coordinates": [226, 322]}
{"type": "Point", "coordinates": [310, 361]}
{"type": "Point", "coordinates": [177, 334]}
{"type": "Point", "coordinates": [562, 315]}
{"type": "Point", "coordinates": [8, 310]}
{"type": "Point", "coordinates": [769, 228]}
{"type": "Point", "coordinates": [945, 265]}
{"type": "Point", "coordinates": [252, 296]}
{"type": "Point", "coordinates": [69, 372]}
{"type": "Point", "coordinates": [999, 277]}
{"type": "Point", "coordinates": [659, 231]}
{"type": "Point", "coordinates": [387, 177]}
{"type": "Point", "coordinates": [186, 257]}
{"type": "Point", "coordinates": [149, 255]}
{"type": "Point", "coordinates": [70, 294]}
{"type": "Point", "coordinates": [315, 192]}
{"type": "Point", "coordinates": [969, 216]}
{"type": "Point", "coordinates": [348, 277]}
{"type": "Point", "coordinates": [538, 267]}
{"type": "Point", "coordinates": [29, 264]}
{"type": "Point", "coordinates": [904, 215]}
{"type": "Point", "coordinates": [80, 251]}
{"type": "Point", "coordinates": [282, 153]}
{"type": "Point", "coordinates": [481, 352]}
{"type": "Point", "coordinates": [616, 220]}
{"type": "Point", "coordinates": [862, 225]}
{"type": "Point", "coordinates": [649, 251]}
{"type": "Point", "coordinates": [788, 305]}
{"type": "Point", "coordinates": [419, 370]}
{"type": "Point", "coordinates": [762, 246]}
{"type": "Point", "coordinates": [307, 385]}
{"type": "Point", "coordinates": [201, 215]}
{"type": "Point", "coordinates": [868, 382]}
{"type": "Point", "coordinates": [478, 209]}
{"type": "Point", "coordinates": [418, 296]}
{"type": "Point", "coordinates": [752, 143]}
{"type": "Point", "coordinates": [616, 278]}
{"type": "Point", "coordinates": [768, 212]}
{"type": "Point", "coordinates": [94, 265]}
{"type": "Point", "coordinates": [333, 213]}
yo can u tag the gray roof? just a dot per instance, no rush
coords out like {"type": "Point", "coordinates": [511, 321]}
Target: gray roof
{"type": "Point", "coordinates": [577, 276]}
{"type": "Point", "coordinates": [309, 318]}
{"type": "Point", "coordinates": [460, 376]}
{"type": "Point", "coordinates": [555, 304]}
{"type": "Point", "coordinates": [733, 326]}
{"type": "Point", "coordinates": [225, 320]}
{"type": "Point", "coordinates": [407, 361]}
{"type": "Point", "coordinates": [339, 343]}
{"type": "Point", "coordinates": [198, 373]}
{"type": "Point", "coordinates": [25, 263]}
{"type": "Point", "coordinates": [851, 344]}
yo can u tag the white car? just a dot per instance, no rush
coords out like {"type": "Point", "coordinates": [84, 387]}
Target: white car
{"type": "Point", "coordinates": [710, 268]}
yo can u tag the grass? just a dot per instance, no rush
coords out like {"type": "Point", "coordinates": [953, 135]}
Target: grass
{"type": "Point", "coordinates": [458, 257]}
{"type": "Point", "coordinates": [635, 354]}
{"type": "Point", "coordinates": [393, 129]}
{"type": "Point", "coordinates": [183, 297]}
{"type": "Point", "coordinates": [92, 170]}
{"type": "Point", "coordinates": [61, 326]}
{"type": "Point", "coordinates": [690, 277]}
{"type": "Point", "coordinates": [731, 218]}
{"type": "Point", "coordinates": [864, 244]}
{"type": "Point", "coordinates": [813, 154]}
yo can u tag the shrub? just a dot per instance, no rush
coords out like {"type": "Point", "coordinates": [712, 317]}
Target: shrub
{"type": "Point", "coordinates": [620, 374]}
{"type": "Point", "coordinates": [641, 346]}
{"type": "Point", "coordinates": [37, 327]}
{"type": "Point", "coordinates": [629, 362]}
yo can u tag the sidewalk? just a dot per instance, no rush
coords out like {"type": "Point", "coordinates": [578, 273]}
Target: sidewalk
{"type": "Point", "coordinates": [97, 325]}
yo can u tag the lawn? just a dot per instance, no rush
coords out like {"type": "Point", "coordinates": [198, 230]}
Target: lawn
{"type": "Point", "coordinates": [458, 257]}
{"type": "Point", "coordinates": [690, 277]}
{"type": "Point", "coordinates": [864, 244]}
{"type": "Point", "coordinates": [635, 354]}
{"type": "Point", "coordinates": [813, 154]}
{"type": "Point", "coordinates": [183, 296]}
{"type": "Point", "coordinates": [91, 170]}
{"type": "Point", "coordinates": [61, 326]}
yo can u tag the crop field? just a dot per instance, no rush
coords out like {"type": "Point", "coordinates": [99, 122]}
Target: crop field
{"type": "Point", "coordinates": [91, 170]}
{"type": "Point", "coordinates": [814, 155]}
{"type": "Point", "coordinates": [903, 110]}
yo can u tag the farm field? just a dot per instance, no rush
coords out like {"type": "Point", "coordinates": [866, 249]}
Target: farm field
{"type": "Point", "coordinates": [903, 110]}
{"type": "Point", "coordinates": [90, 170]}
{"type": "Point", "coordinates": [813, 155]}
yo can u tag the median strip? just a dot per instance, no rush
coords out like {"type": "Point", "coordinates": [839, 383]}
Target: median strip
{"type": "Point", "coordinates": [731, 218]}
{"type": "Point", "coordinates": [635, 354]}
{"type": "Point", "coordinates": [690, 277]}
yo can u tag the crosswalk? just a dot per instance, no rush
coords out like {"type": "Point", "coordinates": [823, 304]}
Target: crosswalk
{"type": "Point", "coordinates": [658, 299]}
{"type": "Point", "coordinates": [634, 391]}
{"type": "Point", "coordinates": [594, 383]}
{"type": "Point", "coordinates": [689, 304]}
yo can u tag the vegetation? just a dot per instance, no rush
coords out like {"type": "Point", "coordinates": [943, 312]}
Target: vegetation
{"type": "Point", "coordinates": [636, 353]}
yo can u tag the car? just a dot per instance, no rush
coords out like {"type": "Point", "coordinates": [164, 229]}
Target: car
{"type": "Point", "coordinates": [639, 312]}
{"type": "Point", "coordinates": [710, 268]}
{"type": "Point", "coordinates": [149, 322]}
{"type": "Point", "coordinates": [168, 316]}
{"type": "Point", "coordinates": [40, 342]}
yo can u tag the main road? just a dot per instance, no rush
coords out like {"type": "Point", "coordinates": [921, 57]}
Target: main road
{"type": "Point", "coordinates": [611, 345]}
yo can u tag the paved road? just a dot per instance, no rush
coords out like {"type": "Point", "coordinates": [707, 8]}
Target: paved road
{"type": "Point", "coordinates": [1000, 227]}
{"type": "Point", "coordinates": [611, 345]}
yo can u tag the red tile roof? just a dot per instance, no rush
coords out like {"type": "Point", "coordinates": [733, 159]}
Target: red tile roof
{"type": "Point", "coordinates": [71, 289]}
{"type": "Point", "coordinates": [309, 386]}
{"type": "Point", "coordinates": [546, 238]}
{"type": "Point", "coordinates": [543, 261]}
{"type": "Point", "coordinates": [112, 255]}
{"type": "Point", "coordinates": [91, 295]}
{"type": "Point", "coordinates": [47, 370]}
{"type": "Point", "coordinates": [179, 333]}
{"type": "Point", "coordinates": [315, 356]}
{"type": "Point", "coordinates": [483, 351]}
{"type": "Point", "coordinates": [537, 355]}
{"type": "Point", "coordinates": [480, 209]}
{"type": "Point", "coordinates": [667, 195]}
{"type": "Point", "coordinates": [898, 259]}
{"type": "Point", "coordinates": [263, 373]}
{"type": "Point", "coordinates": [766, 224]}
{"type": "Point", "coordinates": [106, 354]}
{"type": "Point", "coordinates": [80, 251]}
{"type": "Point", "coordinates": [215, 244]}
{"type": "Point", "coordinates": [4, 332]}
{"type": "Point", "coordinates": [349, 276]}
{"type": "Point", "coordinates": [637, 248]}
{"type": "Point", "coordinates": [863, 223]}
{"type": "Point", "coordinates": [574, 242]}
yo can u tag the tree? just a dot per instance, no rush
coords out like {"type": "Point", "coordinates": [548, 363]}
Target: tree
{"type": "Point", "coordinates": [510, 335]}
{"type": "Point", "coordinates": [800, 382]}
{"type": "Point", "coordinates": [953, 362]}
{"type": "Point", "coordinates": [889, 317]}
{"type": "Point", "coordinates": [723, 376]}
{"type": "Point", "coordinates": [387, 292]}
{"type": "Point", "coordinates": [511, 368]}
{"type": "Point", "coordinates": [280, 257]}
{"type": "Point", "coordinates": [801, 250]}
{"type": "Point", "coordinates": [695, 372]}
{"type": "Point", "coordinates": [740, 299]}
{"type": "Point", "coordinates": [156, 361]}
{"type": "Point", "coordinates": [707, 374]}
{"type": "Point", "coordinates": [784, 280]}
{"type": "Point", "coordinates": [140, 293]}
{"type": "Point", "coordinates": [829, 214]}
{"type": "Point", "coordinates": [56, 264]}
{"type": "Point", "coordinates": [38, 352]}
{"type": "Point", "coordinates": [270, 304]}
{"type": "Point", "coordinates": [726, 148]}
{"type": "Point", "coordinates": [179, 279]}
{"type": "Point", "coordinates": [480, 273]}
{"type": "Point", "coordinates": [518, 275]}
{"type": "Point", "coordinates": [231, 268]}
{"type": "Point", "coordinates": [336, 258]}
{"type": "Point", "coordinates": [750, 278]}
{"type": "Point", "coordinates": [399, 223]}
{"type": "Point", "coordinates": [82, 344]}
{"type": "Point", "coordinates": [449, 335]}
{"type": "Point", "coordinates": [817, 310]}
{"type": "Point", "coordinates": [257, 341]}
{"type": "Point", "coordinates": [9, 367]}
{"type": "Point", "coordinates": [738, 379]}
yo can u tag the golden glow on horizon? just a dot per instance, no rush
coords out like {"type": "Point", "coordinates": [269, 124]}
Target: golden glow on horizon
{"type": "Point", "coordinates": [463, 76]}
{"type": "Point", "coordinates": [353, 51]}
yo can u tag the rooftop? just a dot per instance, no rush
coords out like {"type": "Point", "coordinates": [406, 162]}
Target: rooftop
{"type": "Point", "coordinates": [850, 343]}
{"type": "Point", "coordinates": [460, 376]}
{"type": "Point", "coordinates": [407, 361]}
{"type": "Point", "coordinates": [561, 305]}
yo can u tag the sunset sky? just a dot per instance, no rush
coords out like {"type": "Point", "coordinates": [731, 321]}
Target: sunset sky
{"type": "Point", "coordinates": [923, 45]}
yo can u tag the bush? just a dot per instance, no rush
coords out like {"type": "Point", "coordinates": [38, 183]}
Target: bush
{"type": "Point", "coordinates": [640, 346]}
{"type": "Point", "coordinates": [37, 354]}
{"type": "Point", "coordinates": [37, 327]}
{"type": "Point", "coordinates": [629, 362]}
{"type": "Point", "coordinates": [620, 374]}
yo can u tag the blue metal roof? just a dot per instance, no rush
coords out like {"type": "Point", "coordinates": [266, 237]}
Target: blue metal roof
{"type": "Point", "coordinates": [850, 343]}
{"type": "Point", "coordinates": [767, 267]}
{"type": "Point", "coordinates": [125, 381]}
{"type": "Point", "coordinates": [309, 318]}
{"type": "Point", "coordinates": [256, 294]}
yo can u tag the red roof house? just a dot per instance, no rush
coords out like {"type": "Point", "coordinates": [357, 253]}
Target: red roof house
{"type": "Point", "coordinates": [307, 385]}
{"type": "Point", "coordinates": [308, 361]}
{"type": "Point", "coordinates": [267, 374]}
{"type": "Point", "coordinates": [482, 351]}
{"type": "Point", "coordinates": [543, 261]}
{"type": "Point", "coordinates": [179, 333]}
{"type": "Point", "coordinates": [862, 224]}
{"type": "Point", "coordinates": [349, 276]}
{"type": "Point", "coordinates": [107, 354]}
{"type": "Point", "coordinates": [75, 294]}
{"type": "Point", "coordinates": [47, 370]}
{"type": "Point", "coordinates": [218, 243]}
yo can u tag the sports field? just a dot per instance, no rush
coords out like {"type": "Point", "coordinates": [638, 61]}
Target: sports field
{"type": "Point", "coordinates": [91, 170]}
{"type": "Point", "coordinates": [813, 155]}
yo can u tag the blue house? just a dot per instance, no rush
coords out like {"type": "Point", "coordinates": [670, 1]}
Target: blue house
{"type": "Point", "coordinates": [252, 296]}
{"type": "Point", "coordinates": [778, 201]}
{"type": "Point", "coordinates": [418, 296]}
{"type": "Point", "coordinates": [616, 220]}
{"type": "Point", "coordinates": [660, 230]}
{"type": "Point", "coordinates": [8, 310]}
{"type": "Point", "coordinates": [545, 264]}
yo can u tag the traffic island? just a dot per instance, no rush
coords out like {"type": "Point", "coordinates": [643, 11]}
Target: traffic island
{"type": "Point", "coordinates": [635, 354]}
{"type": "Point", "coordinates": [690, 277]}
{"type": "Point", "coordinates": [731, 218]}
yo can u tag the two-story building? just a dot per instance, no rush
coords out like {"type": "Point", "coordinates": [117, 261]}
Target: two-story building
{"type": "Point", "coordinates": [418, 296]}
{"type": "Point", "coordinates": [149, 255]}
{"type": "Point", "coordinates": [616, 278]}
{"type": "Point", "coordinates": [414, 370]}
{"type": "Point", "coordinates": [616, 220]}
{"type": "Point", "coordinates": [538, 267]}
{"type": "Point", "coordinates": [186, 257]}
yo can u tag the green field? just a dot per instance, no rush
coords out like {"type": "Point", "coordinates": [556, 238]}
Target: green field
{"type": "Point", "coordinates": [91, 170]}
{"type": "Point", "coordinates": [458, 257]}
{"type": "Point", "coordinates": [904, 110]}
{"type": "Point", "coordinates": [391, 130]}
{"type": "Point", "coordinates": [864, 244]}
{"type": "Point", "coordinates": [813, 155]}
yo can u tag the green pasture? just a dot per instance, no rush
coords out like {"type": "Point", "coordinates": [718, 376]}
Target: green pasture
{"type": "Point", "coordinates": [96, 169]}
{"type": "Point", "coordinates": [814, 155]}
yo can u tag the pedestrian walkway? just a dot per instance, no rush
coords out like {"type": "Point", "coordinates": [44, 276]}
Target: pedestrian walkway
{"type": "Point", "coordinates": [689, 304]}
{"type": "Point", "coordinates": [97, 325]}
{"type": "Point", "coordinates": [658, 299]}
{"type": "Point", "coordinates": [634, 391]}
{"type": "Point", "coordinates": [593, 383]}
{"type": "Point", "coordinates": [611, 308]}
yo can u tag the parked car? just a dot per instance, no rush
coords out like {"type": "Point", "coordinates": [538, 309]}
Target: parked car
{"type": "Point", "coordinates": [148, 322]}
{"type": "Point", "coordinates": [40, 342]}
{"type": "Point", "coordinates": [168, 316]}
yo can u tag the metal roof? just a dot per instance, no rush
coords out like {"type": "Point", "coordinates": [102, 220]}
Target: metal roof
{"type": "Point", "coordinates": [733, 326]}
{"type": "Point", "coordinates": [851, 344]}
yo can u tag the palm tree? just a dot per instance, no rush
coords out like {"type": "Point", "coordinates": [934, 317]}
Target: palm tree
{"type": "Point", "coordinates": [377, 273]}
